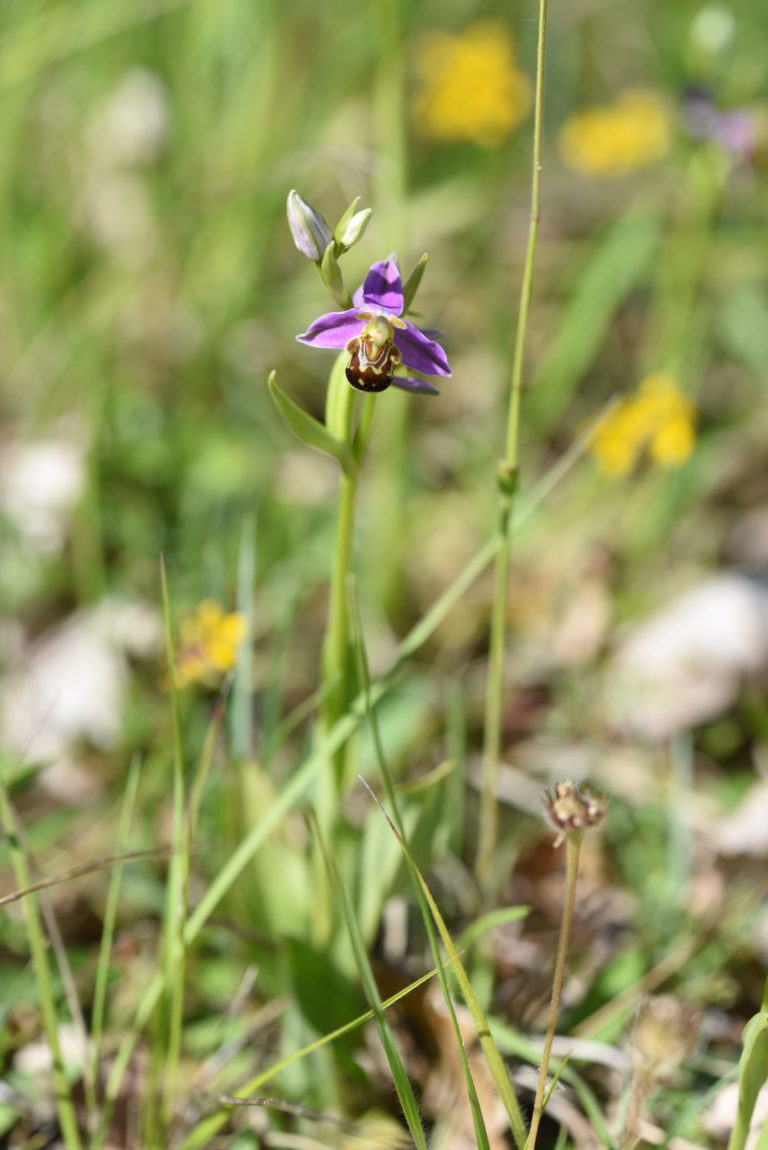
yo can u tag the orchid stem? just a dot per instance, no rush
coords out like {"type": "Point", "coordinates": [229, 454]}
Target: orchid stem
{"type": "Point", "coordinates": [507, 483]}
{"type": "Point", "coordinates": [573, 840]}
{"type": "Point", "coordinates": [338, 664]}
{"type": "Point", "coordinates": [336, 649]}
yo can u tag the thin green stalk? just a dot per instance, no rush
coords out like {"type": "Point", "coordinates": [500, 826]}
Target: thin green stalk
{"type": "Point", "coordinates": [507, 480]}
{"type": "Point", "coordinates": [338, 672]}
{"type": "Point", "coordinates": [312, 767]}
{"type": "Point", "coordinates": [400, 1079]}
{"type": "Point", "coordinates": [174, 949]}
{"type": "Point", "coordinates": [481, 1133]}
{"type": "Point", "coordinates": [201, 1135]}
{"type": "Point", "coordinates": [387, 542]}
{"type": "Point", "coordinates": [37, 945]}
{"type": "Point", "coordinates": [493, 1056]}
{"type": "Point", "coordinates": [336, 663]}
{"type": "Point", "coordinates": [573, 841]}
{"type": "Point", "coordinates": [105, 948]}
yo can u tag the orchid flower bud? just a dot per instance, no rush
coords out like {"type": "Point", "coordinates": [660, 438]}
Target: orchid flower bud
{"type": "Point", "coordinates": [355, 229]}
{"type": "Point", "coordinates": [310, 232]}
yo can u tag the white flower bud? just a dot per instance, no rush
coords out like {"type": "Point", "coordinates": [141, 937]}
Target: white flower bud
{"type": "Point", "coordinates": [355, 228]}
{"type": "Point", "coordinates": [310, 232]}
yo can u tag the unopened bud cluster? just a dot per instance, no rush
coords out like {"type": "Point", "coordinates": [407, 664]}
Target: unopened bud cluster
{"type": "Point", "coordinates": [573, 809]}
{"type": "Point", "coordinates": [314, 238]}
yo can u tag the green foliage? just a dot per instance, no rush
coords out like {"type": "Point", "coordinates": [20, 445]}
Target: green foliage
{"type": "Point", "coordinates": [148, 287]}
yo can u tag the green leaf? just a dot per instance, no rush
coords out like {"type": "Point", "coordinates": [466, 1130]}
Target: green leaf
{"type": "Point", "coordinates": [412, 283]}
{"type": "Point", "coordinates": [402, 1082]}
{"type": "Point", "coordinates": [742, 321]}
{"type": "Point", "coordinates": [309, 430]}
{"type": "Point", "coordinates": [490, 921]}
{"type": "Point", "coordinates": [753, 1074]}
{"type": "Point", "coordinates": [325, 996]}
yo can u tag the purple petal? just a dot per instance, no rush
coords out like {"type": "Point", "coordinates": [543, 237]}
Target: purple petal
{"type": "Point", "coordinates": [419, 386]}
{"type": "Point", "coordinates": [420, 352]}
{"type": "Point", "coordinates": [334, 329]}
{"type": "Point", "coordinates": [383, 287]}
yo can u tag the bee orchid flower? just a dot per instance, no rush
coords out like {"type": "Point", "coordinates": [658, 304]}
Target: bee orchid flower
{"type": "Point", "coordinates": [377, 337]}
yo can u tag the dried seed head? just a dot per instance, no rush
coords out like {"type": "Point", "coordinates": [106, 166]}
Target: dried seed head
{"type": "Point", "coordinates": [664, 1034]}
{"type": "Point", "coordinates": [570, 808]}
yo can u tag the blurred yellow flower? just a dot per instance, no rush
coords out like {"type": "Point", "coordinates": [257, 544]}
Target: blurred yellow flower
{"type": "Point", "coordinates": [208, 642]}
{"type": "Point", "coordinates": [631, 133]}
{"type": "Point", "coordinates": [470, 86]}
{"type": "Point", "coordinates": [658, 419]}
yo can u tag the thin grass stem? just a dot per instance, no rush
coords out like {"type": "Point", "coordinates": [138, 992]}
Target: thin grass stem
{"type": "Point", "coordinates": [105, 948]}
{"type": "Point", "coordinates": [174, 949]}
{"type": "Point", "coordinates": [386, 544]}
{"type": "Point", "coordinates": [37, 946]}
{"type": "Point", "coordinates": [573, 841]}
{"type": "Point", "coordinates": [481, 1133]}
{"type": "Point", "coordinates": [312, 767]}
{"type": "Point", "coordinates": [507, 480]}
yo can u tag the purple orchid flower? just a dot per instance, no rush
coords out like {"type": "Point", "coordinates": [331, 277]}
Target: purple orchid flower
{"type": "Point", "coordinates": [377, 338]}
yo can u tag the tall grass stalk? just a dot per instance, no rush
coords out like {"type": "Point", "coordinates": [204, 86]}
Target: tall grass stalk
{"type": "Point", "coordinates": [573, 841]}
{"type": "Point", "coordinates": [174, 950]}
{"type": "Point", "coordinates": [37, 946]}
{"type": "Point", "coordinates": [402, 1083]}
{"type": "Point", "coordinates": [507, 484]}
{"type": "Point", "coordinates": [481, 1133]}
{"type": "Point", "coordinates": [389, 476]}
{"type": "Point", "coordinates": [212, 1123]}
{"type": "Point", "coordinates": [493, 1057]}
{"type": "Point", "coordinates": [313, 766]}
{"type": "Point", "coordinates": [105, 949]}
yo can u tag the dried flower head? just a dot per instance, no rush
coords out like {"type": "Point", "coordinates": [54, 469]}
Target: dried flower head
{"type": "Point", "coordinates": [571, 808]}
{"type": "Point", "coordinates": [665, 1034]}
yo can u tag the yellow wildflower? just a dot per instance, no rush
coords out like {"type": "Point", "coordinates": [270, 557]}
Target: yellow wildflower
{"type": "Point", "coordinates": [208, 642]}
{"type": "Point", "coordinates": [618, 138]}
{"type": "Point", "coordinates": [658, 419]}
{"type": "Point", "coordinates": [471, 88]}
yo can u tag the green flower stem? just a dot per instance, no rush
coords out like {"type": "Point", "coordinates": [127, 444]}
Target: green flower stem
{"type": "Point", "coordinates": [507, 480]}
{"type": "Point", "coordinates": [37, 945]}
{"type": "Point", "coordinates": [310, 771]}
{"type": "Point", "coordinates": [336, 654]}
{"type": "Point", "coordinates": [338, 675]}
{"type": "Point", "coordinates": [573, 841]}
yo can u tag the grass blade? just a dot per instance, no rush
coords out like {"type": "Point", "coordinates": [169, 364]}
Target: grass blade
{"type": "Point", "coordinates": [394, 1058]}
{"type": "Point", "coordinates": [37, 947]}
